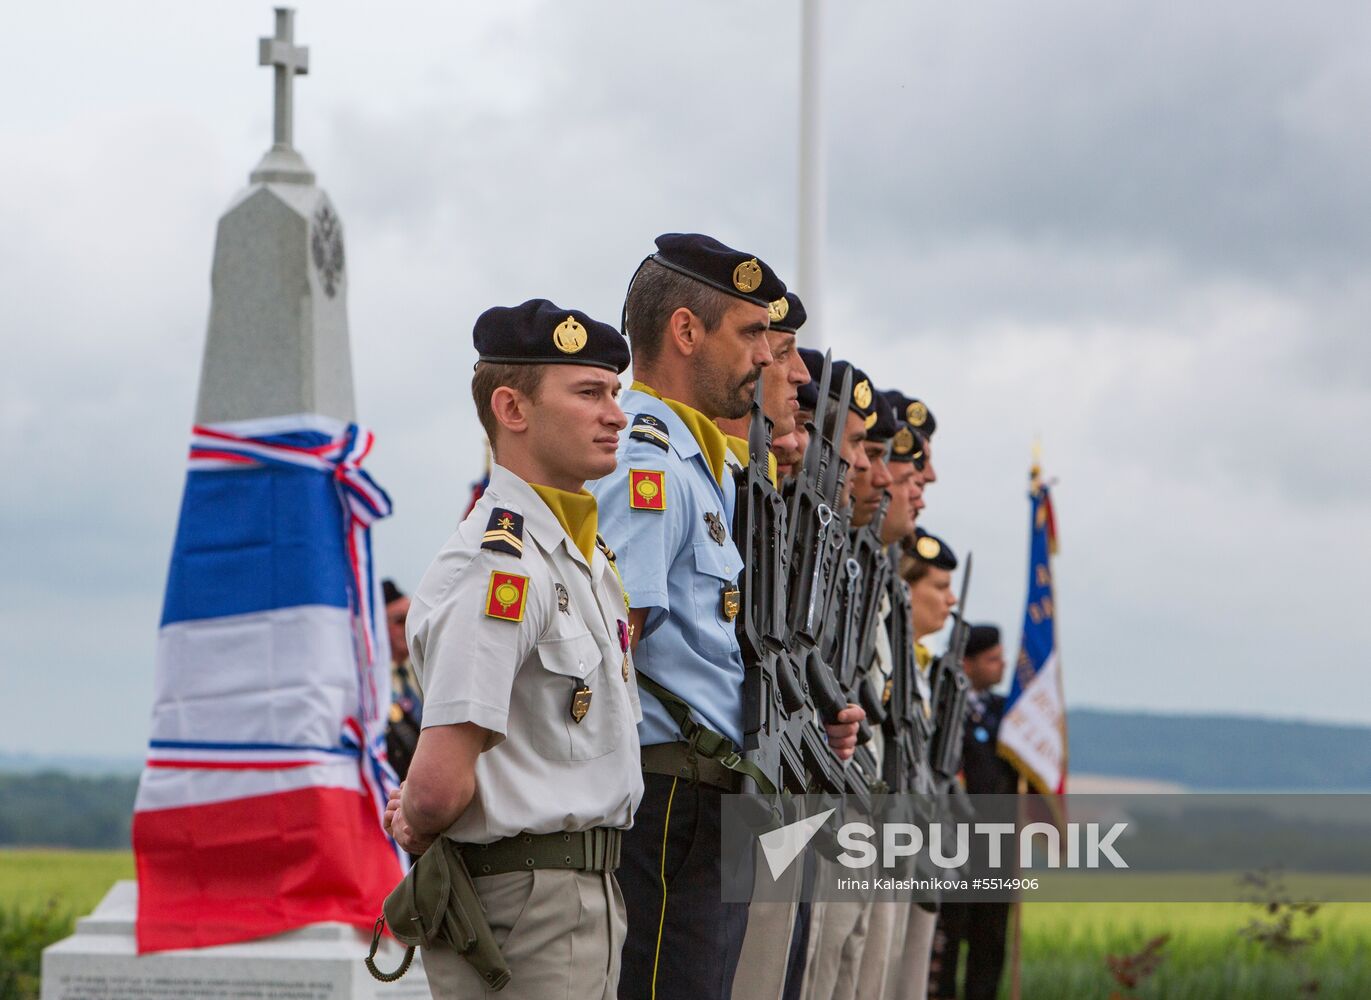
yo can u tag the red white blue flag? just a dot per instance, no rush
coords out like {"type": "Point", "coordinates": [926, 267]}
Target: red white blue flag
{"type": "Point", "coordinates": [1033, 730]}
{"type": "Point", "coordinates": [260, 804]}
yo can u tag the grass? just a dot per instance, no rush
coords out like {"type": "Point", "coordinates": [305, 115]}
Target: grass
{"type": "Point", "coordinates": [1064, 944]}
{"type": "Point", "coordinates": [74, 880]}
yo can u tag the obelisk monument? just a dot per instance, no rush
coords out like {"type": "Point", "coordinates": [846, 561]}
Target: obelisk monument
{"type": "Point", "coordinates": [260, 855]}
{"type": "Point", "coordinates": [278, 331]}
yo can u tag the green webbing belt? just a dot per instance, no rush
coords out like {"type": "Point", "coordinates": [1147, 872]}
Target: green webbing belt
{"type": "Point", "coordinates": [703, 741]}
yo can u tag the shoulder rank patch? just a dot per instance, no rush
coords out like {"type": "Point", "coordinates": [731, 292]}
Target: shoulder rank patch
{"type": "Point", "coordinates": [505, 596]}
{"type": "Point", "coordinates": [646, 489]}
{"type": "Point", "coordinates": [504, 532]}
{"type": "Point", "coordinates": [648, 428]}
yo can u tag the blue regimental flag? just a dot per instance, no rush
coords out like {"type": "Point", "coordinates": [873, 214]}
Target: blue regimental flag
{"type": "Point", "coordinates": [1033, 731]}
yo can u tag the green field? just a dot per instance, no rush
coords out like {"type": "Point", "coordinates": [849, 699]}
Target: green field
{"type": "Point", "coordinates": [1064, 944]}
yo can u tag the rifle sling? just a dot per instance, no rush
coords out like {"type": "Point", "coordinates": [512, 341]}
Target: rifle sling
{"type": "Point", "coordinates": [703, 742]}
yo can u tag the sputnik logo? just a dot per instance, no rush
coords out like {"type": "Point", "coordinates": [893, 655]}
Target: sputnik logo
{"type": "Point", "coordinates": [783, 846]}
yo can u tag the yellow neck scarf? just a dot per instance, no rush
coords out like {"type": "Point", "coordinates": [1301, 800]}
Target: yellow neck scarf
{"type": "Point", "coordinates": [923, 656]}
{"type": "Point", "coordinates": [712, 441]}
{"type": "Point", "coordinates": [743, 453]}
{"type": "Point", "coordinates": [575, 512]}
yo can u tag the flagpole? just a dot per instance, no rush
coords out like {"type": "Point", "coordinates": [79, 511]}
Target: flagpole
{"type": "Point", "coordinates": [813, 182]}
{"type": "Point", "coordinates": [1016, 946]}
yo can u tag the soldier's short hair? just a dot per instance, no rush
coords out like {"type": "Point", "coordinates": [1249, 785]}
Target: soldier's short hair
{"type": "Point", "coordinates": [655, 294]}
{"type": "Point", "coordinates": [489, 376]}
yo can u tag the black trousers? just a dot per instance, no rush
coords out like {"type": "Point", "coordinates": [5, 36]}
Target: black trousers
{"type": "Point", "coordinates": [982, 926]}
{"type": "Point", "coordinates": [683, 940]}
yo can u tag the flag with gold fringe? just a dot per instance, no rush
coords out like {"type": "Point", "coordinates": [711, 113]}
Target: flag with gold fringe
{"type": "Point", "coordinates": [1033, 730]}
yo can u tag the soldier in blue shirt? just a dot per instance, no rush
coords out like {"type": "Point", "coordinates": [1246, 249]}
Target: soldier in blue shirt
{"type": "Point", "coordinates": [697, 318]}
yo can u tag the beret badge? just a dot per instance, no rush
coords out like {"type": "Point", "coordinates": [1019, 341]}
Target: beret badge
{"type": "Point", "coordinates": [861, 394]}
{"type": "Point", "coordinates": [570, 336]}
{"type": "Point", "coordinates": [917, 413]}
{"type": "Point", "coordinates": [747, 276]}
{"type": "Point", "coordinates": [778, 309]}
{"type": "Point", "coordinates": [928, 548]}
{"type": "Point", "coordinates": [903, 443]}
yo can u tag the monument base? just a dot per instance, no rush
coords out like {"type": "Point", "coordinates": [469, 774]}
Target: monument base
{"type": "Point", "coordinates": [320, 962]}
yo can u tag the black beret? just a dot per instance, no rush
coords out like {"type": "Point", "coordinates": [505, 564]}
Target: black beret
{"type": "Point", "coordinates": [389, 592]}
{"type": "Point", "coordinates": [912, 412]}
{"type": "Point", "coordinates": [907, 445]}
{"type": "Point", "coordinates": [980, 638]}
{"type": "Point", "coordinates": [707, 260]}
{"type": "Point", "coordinates": [885, 425]}
{"type": "Point", "coordinates": [787, 313]}
{"type": "Point", "coordinates": [863, 399]}
{"type": "Point", "coordinates": [933, 550]}
{"type": "Point", "coordinates": [541, 333]}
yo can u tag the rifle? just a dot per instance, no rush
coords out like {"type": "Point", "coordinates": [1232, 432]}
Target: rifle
{"type": "Point", "coordinates": [950, 689]}
{"type": "Point", "coordinates": [908, 723]}
{"type": "Point", "coordinates": [772, 692]}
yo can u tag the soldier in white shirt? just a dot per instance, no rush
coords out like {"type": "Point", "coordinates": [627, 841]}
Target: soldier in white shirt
{"type": "Point", "coordinates": [528, 761]}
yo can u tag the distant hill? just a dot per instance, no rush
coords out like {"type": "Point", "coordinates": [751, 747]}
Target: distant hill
{"type": "Point", "coordinates": [1221, 752]}
{"type": "Point", "coordinates": [88, 801]}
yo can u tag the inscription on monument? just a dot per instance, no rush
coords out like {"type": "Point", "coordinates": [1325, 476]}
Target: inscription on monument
{"type": "Point", "coordinates": [97, 987]}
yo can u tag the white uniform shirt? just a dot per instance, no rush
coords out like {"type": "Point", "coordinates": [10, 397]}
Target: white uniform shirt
{"type": "Point", "coordinates": [541, 771]}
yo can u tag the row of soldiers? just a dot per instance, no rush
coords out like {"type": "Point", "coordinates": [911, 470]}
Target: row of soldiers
{"type": "Point", "coordinates": [709, 583]}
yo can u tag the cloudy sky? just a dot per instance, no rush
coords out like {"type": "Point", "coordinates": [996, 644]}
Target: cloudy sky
{"type": "Point", "coordinates": [1138, 232]}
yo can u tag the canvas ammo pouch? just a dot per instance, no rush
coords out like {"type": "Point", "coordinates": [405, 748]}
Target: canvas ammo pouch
{"type": "Point", "coordinates": [437, 905]}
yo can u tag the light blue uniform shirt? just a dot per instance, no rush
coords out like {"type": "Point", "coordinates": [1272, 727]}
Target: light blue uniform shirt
{"type": "Point", "coordinates": [673, 569]}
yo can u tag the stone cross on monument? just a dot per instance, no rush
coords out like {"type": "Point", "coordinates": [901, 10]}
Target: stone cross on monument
{"type": "Point", "coordinates": [278, 330]}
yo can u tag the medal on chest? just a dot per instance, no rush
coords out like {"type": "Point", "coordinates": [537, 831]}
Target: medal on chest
{"type": "Point", "coordinates": [730, 601]}
{"type": "Point", "coordinates": [716, 527]}
{"type": "Point", "coordinates": [580, 703]}
{"type": "Point", "coordinates": [623, 644]}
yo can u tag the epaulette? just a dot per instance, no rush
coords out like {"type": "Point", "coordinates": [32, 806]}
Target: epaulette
{"type": "Point", "coordinates": [603, 547]}
{"type": "Point", "coordinates": [504, 532]}
{"type": "Point", "coordinates": [648, 428]}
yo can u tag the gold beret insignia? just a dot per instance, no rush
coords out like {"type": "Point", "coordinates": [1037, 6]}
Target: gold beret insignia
{"type": "Point", "coordinates": [778, 309]}
{"type": "Point", "coordinates": [861, 394]}
{"type": "Point", "coordinates": [747, 276]}
{"type": "Point", "coordinates": [916, 413]}
{"type": "Point", "coordinates": [928, 548]}
{"type": "Point", "coordinates": [903, 442]}
{"type": "Point", "coordinates": [570, 336]}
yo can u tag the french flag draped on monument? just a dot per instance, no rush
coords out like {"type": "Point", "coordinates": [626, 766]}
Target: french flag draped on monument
{"type": "Point", "coordinates": [1033, 730]}
{"type": "Point", "coordinates": [260, 806]}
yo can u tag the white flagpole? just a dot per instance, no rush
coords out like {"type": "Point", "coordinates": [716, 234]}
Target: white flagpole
{"type": "Point", "coordinates": [813, 181]}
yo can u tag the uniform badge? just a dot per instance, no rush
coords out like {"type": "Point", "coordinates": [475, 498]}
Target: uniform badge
{"type": "Point", "coordinates": [397, 713]}
{"type": "Point", "coordinates": [982, 734]}
{"type": "Point", "coordinates": [778, 310]}
{"type": "Point", "coordinates": [563, 599]}
{"type": "Point", "coordinates": [505, 596]}
{"type": "Point", "coordinates": [504, 532]}
{"type": "Point", "coordinates": [916, 413]}
{"type": "Point", "coordinates": [716, 527]}
{"type": "Point", "coordinates": [648, 428]}
{"type": "Point", "coordinates": [580, 703]}
{"type": "Point", "coordinates": [570, 336]}
{"type": "Point", "coordinates": [903, 442]}
{"type": "Point", "coordinates": [730, 601]}
{"type": "Point", "coordinates": [928, 548]}
{"type": "Point", "coordinates": [861, 394]}
{"type": "Point", "coordinates": [646, 489]}
{"type": "Point", "coordinates": [747, 276]}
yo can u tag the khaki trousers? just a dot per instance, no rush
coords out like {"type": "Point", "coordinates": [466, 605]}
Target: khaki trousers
{"type": "Point", "coordinates": [836, 941]}
{"type": "Point", "coordinates": [560, 931]}
{"type": "Point", "coordinates": [908, 979]}
{"type": "Point", "coordinates": [887, 926]}
{"type": "Point", "coordinates": [766, 946]}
